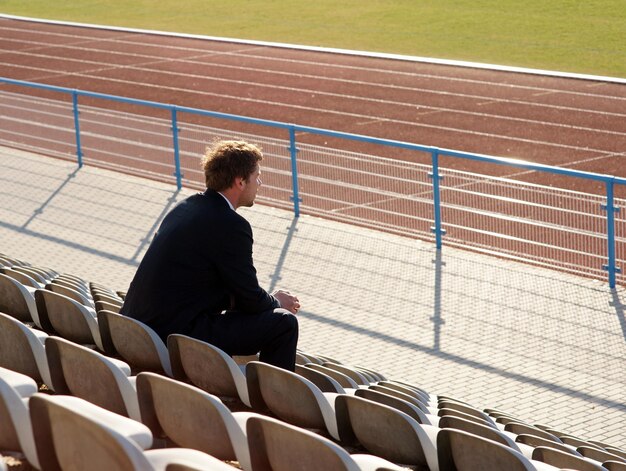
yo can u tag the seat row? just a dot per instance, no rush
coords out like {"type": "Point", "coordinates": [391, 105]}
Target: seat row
{"type": "Point", "coordinates": [384, 417]}
{"type": "Point", "coordinates": [351, 406]}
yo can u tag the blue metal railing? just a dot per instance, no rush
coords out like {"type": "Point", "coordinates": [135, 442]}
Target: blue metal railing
{"type": "Point", "coordinates": [436, 153]}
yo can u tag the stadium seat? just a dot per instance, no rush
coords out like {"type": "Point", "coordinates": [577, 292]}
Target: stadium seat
{"type": "Point", "coordinates": [343, 379]}
{"type": "Point", "coordinates": [16, 434]}
{"type": "Point", "coordinates": [192, 418]}
{"type": "Point", "coordinates": [518, 428]}
{"type": "Point", "coordinates": [73, 434]}
{"type": "Point", "coordinates": [23, 278]}
{"type": "Point", "coordinates": [324, 382]}
{"type": "Point", "coordinates": [92, 376]}
{"type": "Point", "coordinates": [207, 367]}
{"type": "Point", "coordinates": [536, 441]}
{"type": "Point", "coordinates": [562, 459]}
{"type": "Point", "coordinates": [426, 409]}
{"type": "Point", "coordinates": [18, 301]}
{"type": "Point", "coordinates": [400, 404]}
{"type": "Point", "coordinates": [387, 432]}
{"type": "Point", "coordinates": [72, 293]}
{"type": "Point", "coordinates": [135, 342]}
{"type": "Point", "coordinates": [490, 433]}
{"type": "Point", "coordinates": [22, 349]}
{"type": "Point", "coordinates": [69, 319]}
{"type": "Point", "coordinates": [291, 397]}
{"type": "Point", "coordinates": [614, 465]}
{"type": "Point", "coordinates": [598, 454]}
{"type": "Point", "coordinates": [354, 374]}
{"type": "Point", "coordinates": [461, 451]}
{"type": "Point", "coordinates": [277, 446]}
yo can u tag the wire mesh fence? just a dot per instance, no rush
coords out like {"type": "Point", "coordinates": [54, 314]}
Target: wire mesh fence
{"type": "Point", "coordinates": [537, 224]}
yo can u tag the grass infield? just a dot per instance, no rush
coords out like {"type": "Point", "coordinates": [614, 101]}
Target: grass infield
{"type": "Point", "coordinates": [563, 35]}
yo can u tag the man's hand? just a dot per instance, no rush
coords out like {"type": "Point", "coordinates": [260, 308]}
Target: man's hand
{"type": "Point", "coordinates": [287, 300]}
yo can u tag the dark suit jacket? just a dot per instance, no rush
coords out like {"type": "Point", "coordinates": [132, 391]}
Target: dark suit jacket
{"type": "Point", "coordinates": [199, 264]}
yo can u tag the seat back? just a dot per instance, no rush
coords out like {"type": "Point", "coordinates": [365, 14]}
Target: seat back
{"type": "Point", "coordinates": [561, 459]}
{"type": "Point", "coordinates": [382, 430]}
{"type": "Point", "coordinates": [319, 379]}
{"type": "Point", "coordinates": [136, 343]}
{"type": "Point", "coordinates": [74, 434]}
{"type": "Point", "coordinates": [71, 293]}
{"type": "Point", "coordinates": [188, 416]}
{"type": "Point", "coordinates": [287, 395]}
{"type": "Point", "coordinates": [462, 451]}
{"type": "Point", "coordinates": [277, 446]}
{"type": "Point", "coordinates": [395, 402]}
{"type": "Point", "coordinates": [22, 350]}
{"type": "Point", "coordinates": [70, 319]}
{"type": "Point", "coordinates": [87, 374]}
{"type": "Point", "coordinates": [14, 299]}
{"type": "Point", "coordinates": [202, 364]}
{"type": "Point", "coordinates": [15, 430]}
{"type": "Point", "coordinates": [476, 428]}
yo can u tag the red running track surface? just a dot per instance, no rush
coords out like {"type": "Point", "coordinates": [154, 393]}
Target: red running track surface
{"type": "Point", "coordinates": [574, 123]}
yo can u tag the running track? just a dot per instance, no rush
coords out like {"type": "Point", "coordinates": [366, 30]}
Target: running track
{"type": "Point", "coordinates": [580, 124]}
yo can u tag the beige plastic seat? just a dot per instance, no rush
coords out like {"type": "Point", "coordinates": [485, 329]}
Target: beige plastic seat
{"type": "Point", "coordinates": [418, 394]}
{"type": "Point", "coordinates": [400, 404]}
{"type": "Point", "coordinates": [614, 465]}
{"type": "Point", "coordinates": [71, 293]}
{"type": "Point", "coordinates": [324, 382]}
{"type": "Point", "coordinates": [462, 451]}
{"type": "Point", "coordinates": [23, 278]}
{"type": "Point", "coordinates": [74, 434]}
{"type": "Point", "coordinates": [291, 398]}
{"type": "Point", "coordinates": [466, 409]}
{"type": "Point", "coordinates": [207, 367]}
{"type": "Point", "coordinates": [16, 434]}
{"type": "Point", "coordinates": [193, 418]}
{"type": "Point", "coordinates": [349, 371]}
{"type": "Point", "coordinates": [598, 454]}
{"type": "Point", "coordinates": [487, 432]}
{"type": "Point", "coordinates": [87, 374]}
{"type": "Point", "coordinates": [69, 319]}
{"type": "Point", "coordinates": [562, 459]}
{"type": "Point", "coordinates": [18, 300]}
{"type": "Point", "coordinates": [343, 379]}
{"type": "Point", "coordinates": [536, 441]}
{"type": "Point", "coordinates": [387, 432]}
{"type": "Point", "coordinates": [278, 446]}
{"type": "Point", "coordinates": [22, 349]}
{"type": "Point", "coordinates": [135, 342]}
{"type": "Point", "coordinates": [405, 397]}
{"type": "Point", "coordinates": [518, 428]}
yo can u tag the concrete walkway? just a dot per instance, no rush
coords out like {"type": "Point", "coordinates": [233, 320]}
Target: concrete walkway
{"type": "Point", "coordinates": [548, 347]}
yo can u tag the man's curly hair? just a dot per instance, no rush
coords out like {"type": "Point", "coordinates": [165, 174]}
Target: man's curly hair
{"type": "Point", "coordinates": [227, 160]}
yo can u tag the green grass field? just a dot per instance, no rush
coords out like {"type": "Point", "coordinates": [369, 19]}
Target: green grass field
{"type": "Point", "coordinates": [565, 35]}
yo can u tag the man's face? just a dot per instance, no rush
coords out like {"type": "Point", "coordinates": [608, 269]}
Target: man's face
{"type": "Point", "coordinates": [250, 188]}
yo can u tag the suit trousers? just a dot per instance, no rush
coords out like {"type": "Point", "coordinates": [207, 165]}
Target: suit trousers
{"type": "Point", "coordinates": [273, 333]}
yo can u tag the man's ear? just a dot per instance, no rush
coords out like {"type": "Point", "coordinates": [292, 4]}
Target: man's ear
{"type": "Point", "coordinates": [240, 182]}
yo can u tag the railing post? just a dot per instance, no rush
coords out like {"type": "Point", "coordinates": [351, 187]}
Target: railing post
{"type": "Point", "coordinates": [610, 209]}
{"type": "Point", "coordinates": [293, 151]}
{"type": "Point", "coordinates": [175, 131]}
{"type": "Point", "coordinates": [79, 149]}
{"type": "Point", "coordinates": [434, 175]}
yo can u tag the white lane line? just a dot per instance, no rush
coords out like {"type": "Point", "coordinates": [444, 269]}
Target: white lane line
{"type": "Point", "coordinates": [240, 99]}
{"type": "Point", "coordinates": [139, 67]}
{"type": "Point", "coordinates": [325, 64]}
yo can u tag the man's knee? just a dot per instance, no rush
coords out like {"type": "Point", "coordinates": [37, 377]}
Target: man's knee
{"type": "Point", "coordinates": [289, 320]}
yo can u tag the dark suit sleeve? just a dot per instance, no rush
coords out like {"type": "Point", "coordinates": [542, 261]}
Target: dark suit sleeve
{"type": "Point", "coordinates": [236, 268]}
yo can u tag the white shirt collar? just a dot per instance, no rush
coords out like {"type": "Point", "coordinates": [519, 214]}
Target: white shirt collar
{"type": "Point", "coordinates": [229, 203]}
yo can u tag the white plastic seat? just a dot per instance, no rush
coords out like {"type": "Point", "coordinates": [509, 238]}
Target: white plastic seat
{"type": "Point", "coordinates": [16, 434]}
{"type": "Point", "coordinates": [18, 300]}
{"type": "Point", "coordinates": [135, 342]}
{"type": "Point", "coordinates": [280, 446]}
{"type": "Point", "coordinates": [207, 367]}
{"type": "Point", "coordinates": [69, 318]}
{"type": "Point", "coordinates": [87, 374]}
{"type": "Point", "coordinates": [74, 434]}
{"type": "Point", "coordinates": [193, 418]}
{"type": "Point", "coordinates": [22, 349]}
{"type": "Point", "coordinates": [291, 397]}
